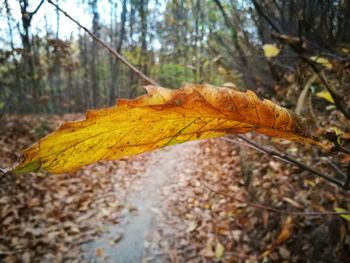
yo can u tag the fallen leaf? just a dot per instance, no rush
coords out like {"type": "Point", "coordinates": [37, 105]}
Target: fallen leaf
{"type": "Point", "coordinates": [276, 166]}
{"type": "Point", "coordinates": [10, 259]}
{"type": "Point", "coordinates": [292, 202]}
{"type": "Point", "coordinates": [344, 216]}
{"type": "Point", "coordinates": [26, 257]}
{"type": "Point", "coordinates": [174, 258]}
{"type": "Point", "coordinates": [323, 61]}
{"type": "Point", "coordinates": [345, 50]}
{"type": "Point", "coordinates": [208, 250]}
{"type": "Point", "coordinates": [345, 136]}
{"type": "Point", "coordinates": [219, 251]}
{"type": "Point", "coordinates": [230, 85]}
{"type": "Point", "coordinates": [325, 95]}
{"type": "Point", "coordinates": [160, 118]}
{"type": "Point", "coordinates": [286, 230]}
{"type": "Point", "coordinates": [270, 50]}
{"type": "Point", "coordinates": [118, 237]}
{"type": "Point", "coordinates": [100, 252]}
{"type": "Point", "coordinates": [337, 131]}
{"type": "Point", "coordinates": [345, 159]}
{"type": "Point", "coordinates": [192, 225]}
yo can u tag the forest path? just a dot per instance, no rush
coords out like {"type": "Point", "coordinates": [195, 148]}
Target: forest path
{"type": "Point", "coordinates": [142, 206]}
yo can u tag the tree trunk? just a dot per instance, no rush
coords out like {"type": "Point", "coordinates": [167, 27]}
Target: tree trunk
{"type": "Point", "coordinates": [115, 84]}
{"type": "Point", "coordinates": [144, 56]}
{"type": "Point", "coordinates": [94, 62]}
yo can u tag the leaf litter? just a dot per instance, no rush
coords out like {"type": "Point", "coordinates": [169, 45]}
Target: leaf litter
{"type": "Point", "coordinates": [203, 215]}
{"type": "Point", "coordinates": [47, 218]}
{"type": "Point", "coordinates": [207, 216]}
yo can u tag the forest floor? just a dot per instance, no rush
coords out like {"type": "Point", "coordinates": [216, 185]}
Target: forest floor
{"type": "Point", "coordinates": [144, 207]}
{"type": "Point", "coordinates": [204, 201]}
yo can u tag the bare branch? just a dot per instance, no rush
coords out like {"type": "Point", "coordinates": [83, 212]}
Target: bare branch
{"type": "Point", "coordinates": [336, 168]}
{"type": "Point", "coordinates": [266, 17]}
{"type": "Point", "coordinates": [347, 181]}
{"type": "Point", "coordinates": [286, 158]}
{"type": "Point", "coordinates": [110, 49]}
{"type": "Point", "coordinates": [255, 205]}
{"type": "Point", "coordinates": [338, 100]}
{"type": "Point", "coordinates": [36, 9]}
{"type": "Point", "coordinates": [277, 210]}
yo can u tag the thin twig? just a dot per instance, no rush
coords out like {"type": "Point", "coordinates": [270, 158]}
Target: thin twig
{"type": "Point", "coordinates": [335, 167]}
{"type": "Point", "coordinates": [338, 100]}
{"type": "Point", "coordinates": [31, 14]}
{"type": "Point", "coordinates": [255, 205]}
{"type": "Point", "coordinates": [274, 209]}
{"type": "Point", "coordinates": [342, 149]}
{"type": "Point", "coordinates": [288, 159]}
{"type": "Point", "coordinates": [110, 49]}
{"type": "Point", "coordinates": [332, 136]}
{"type": "Point", "coordinates": [347, 181]}
{"type": "Point", "coordinates": [284, 156]}
{"type": "Point", "coordinates": [2, 171]}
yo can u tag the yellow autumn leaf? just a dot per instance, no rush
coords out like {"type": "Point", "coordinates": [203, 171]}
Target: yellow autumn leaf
{"type": "Point", "coordinates": [337, 131]}
{"type": "Point", "coordinates": [345, 50]}
{"type": "Point", "coordinates": [323, 61]}
{"type": "Point", "coordinates": [341, 210]}
{"type": "Point", "coordinates": [219, 251]}
{"type": "Point", "coordinates": [160, 118]}
{"type": "Point", "coordinates": [271, 50]}
{"type": "Point", "coordinates": [222, 71]}
{"type": "Point", "coordinates": [325, 95]}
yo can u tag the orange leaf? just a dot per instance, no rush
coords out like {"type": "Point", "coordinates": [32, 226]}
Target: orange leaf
{"type": "Point", "coordinates": [160, 118]}
{"type": "Point", "coordinates": [286, 230]}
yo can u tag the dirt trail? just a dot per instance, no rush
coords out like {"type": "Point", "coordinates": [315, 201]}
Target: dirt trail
{"type": "Point", "coordinates": [142, 206]}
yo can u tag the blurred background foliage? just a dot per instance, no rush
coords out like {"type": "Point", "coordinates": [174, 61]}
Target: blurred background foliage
{"type": "Point", "coordinates": [48, 65]}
